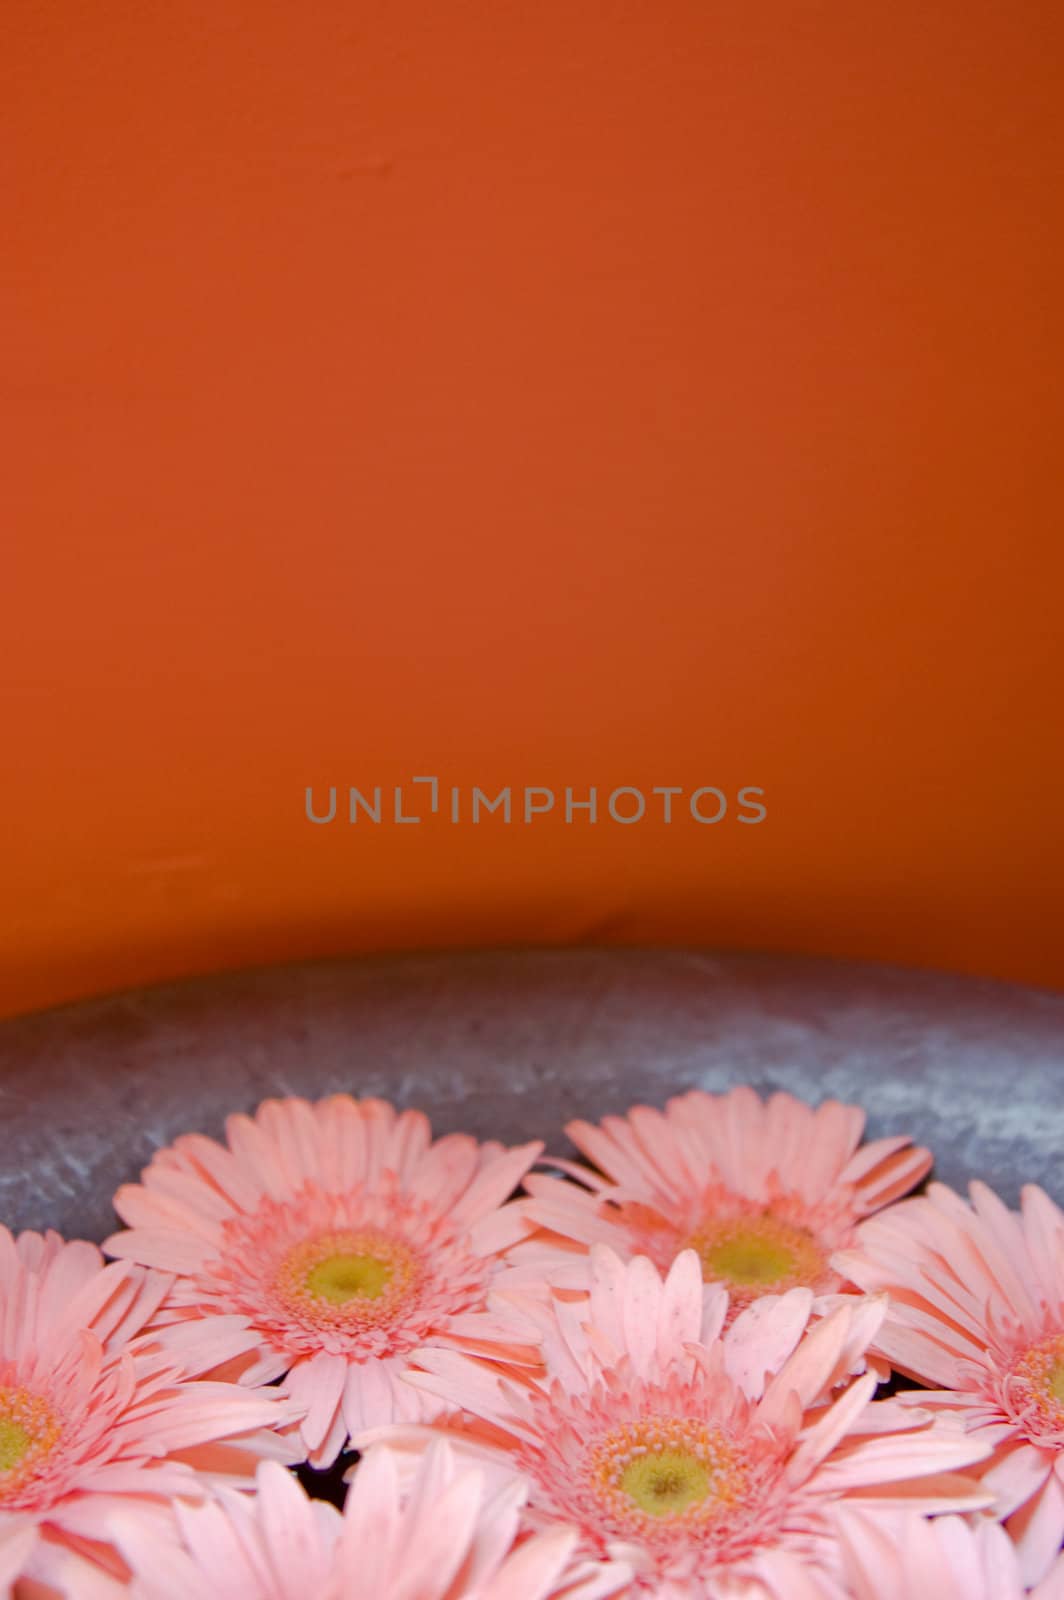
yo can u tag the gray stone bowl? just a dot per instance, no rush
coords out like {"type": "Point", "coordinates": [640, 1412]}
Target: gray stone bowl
{"type": "Point", "coordinates": [512, 1044]}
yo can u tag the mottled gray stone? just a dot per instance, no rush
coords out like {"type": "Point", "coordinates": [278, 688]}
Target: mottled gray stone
{"type": "Point", "coordinates": [512, 1044]}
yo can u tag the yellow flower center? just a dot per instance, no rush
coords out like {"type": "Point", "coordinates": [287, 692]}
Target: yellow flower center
{"type": "Point", "coordinates": [14, 1442]}
{"type": "Point", "coordinates": [665, 1468]}
{"type": "Point", "coordinates": [29, 1430]}
{"type": "Point", "coordinates": [757, 1255]}
{"type": "Point", "coordinates": [346, 1277]}
{"type": "Point", "coordinates": [666, 1482]}
{"type": "Point", "coordinates": [1037, 1384]}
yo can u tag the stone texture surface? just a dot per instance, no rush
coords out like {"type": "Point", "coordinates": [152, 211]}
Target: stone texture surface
{"type": "Point", "coordinates": [512, 1044]}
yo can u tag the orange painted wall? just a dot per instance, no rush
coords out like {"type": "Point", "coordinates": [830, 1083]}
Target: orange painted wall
{"type": "Point", "coordinates": [615, 393]}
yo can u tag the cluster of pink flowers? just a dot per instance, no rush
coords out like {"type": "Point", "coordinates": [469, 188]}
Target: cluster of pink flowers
{"type": "Point", "coordinates": [653, 1375]}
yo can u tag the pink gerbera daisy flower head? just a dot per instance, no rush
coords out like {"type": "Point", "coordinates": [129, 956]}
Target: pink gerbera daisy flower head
{"type": "Point", "coordinates": [977, 1312]}
{"type": "Point", "coordinates": [765, 1191]}
{"type": "Point", "coordinates": [347, 1239]}
{"type": "Point", "coordinates": [944, 1557]}
{"type": "Point", "coordinates": [443, 1535]}
{"type": "Point", "coordinates": [702, 1455]}
{"type": "Point", "coordinates": [99, 1416]}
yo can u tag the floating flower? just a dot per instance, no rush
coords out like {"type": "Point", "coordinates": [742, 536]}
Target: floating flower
{"type": "Point", "coordinates": [348, 1240]}
{"type": "Point", "coordinates": [706, 1459]}
{"type": "Point", "coordinates": [977, 1311]}
{"type": "Point", "coordinates": [763, 1191]}
{"type": "Point", "coordinates": [946, 1558]}
{"type": "Point", "coordinates": [98, 1417]}
{"type": "Point", "coordinates": [444, 1538]}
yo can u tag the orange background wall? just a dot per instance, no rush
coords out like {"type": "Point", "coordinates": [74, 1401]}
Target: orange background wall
{"type": "Point", "coordinates": [615, 393]}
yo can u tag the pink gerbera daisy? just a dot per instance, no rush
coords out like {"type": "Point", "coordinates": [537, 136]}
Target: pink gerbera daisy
{"type": "Point", "coordinates": [348, 1239]}
{"type": "Point", "coordinates": [977, 1311]}
{"type": "Point", "coordinates": [947, 1559]}
{"type": "Point", "coordinates": [97, 1416]}
{"type": "Point", "coordinates": [443, 1538]}
{"type": "Point", "coordinates": [763, 1191]}
{"type": "Point", "coordinates": [706, 1459]}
